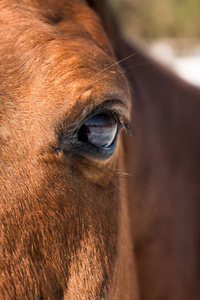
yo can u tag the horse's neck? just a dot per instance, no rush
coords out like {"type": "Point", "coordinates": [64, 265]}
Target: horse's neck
{"type": "Point", "coordinates": [164, 188]}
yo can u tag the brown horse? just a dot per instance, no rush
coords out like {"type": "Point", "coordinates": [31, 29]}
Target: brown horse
{"type": "Point", "coordinates": [87, 210]}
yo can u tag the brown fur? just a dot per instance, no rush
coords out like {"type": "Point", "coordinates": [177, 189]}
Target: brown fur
{"type": "Point", "coordinates": [65, 219]}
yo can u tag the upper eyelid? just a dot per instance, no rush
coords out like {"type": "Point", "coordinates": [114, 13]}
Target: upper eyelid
{"type": "Point", "coordinates": [113, 107]}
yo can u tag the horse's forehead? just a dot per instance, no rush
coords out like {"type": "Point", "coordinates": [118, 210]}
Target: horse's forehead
{"type": "Point", "coordinates": [51, 69]}
{"type": "Point", "coordinates": [55, 60]}
{"type": "Point", "coordinates": [61, 16]}
{"type": "Point", "coordinates": [74, 29]}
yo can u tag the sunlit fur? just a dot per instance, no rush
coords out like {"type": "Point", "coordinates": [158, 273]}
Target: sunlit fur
{"type": "Point", "coordinates": [78, 228]}
{"type": "Point", "coordinates": [62, 219]}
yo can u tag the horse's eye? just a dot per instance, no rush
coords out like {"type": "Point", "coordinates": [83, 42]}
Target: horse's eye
{"type": "Point", "coordinates": [100, 131]}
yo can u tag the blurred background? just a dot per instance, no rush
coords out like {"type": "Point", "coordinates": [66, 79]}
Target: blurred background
{"type": "Point", "coordinates": [168, 29]}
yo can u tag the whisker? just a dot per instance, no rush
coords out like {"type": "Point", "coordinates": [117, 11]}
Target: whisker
{"type": "Point", "coordinates": [138, 65]}
{"type": "Point", "coordinates": [124, 174]}
{"type": "Point", "coordinates": [114, 64]}
{"type": "Point", "coordinates": [99, 79]}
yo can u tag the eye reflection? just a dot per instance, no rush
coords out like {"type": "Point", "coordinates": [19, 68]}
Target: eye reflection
{"type": "Point", "coordinates": [100, 130]}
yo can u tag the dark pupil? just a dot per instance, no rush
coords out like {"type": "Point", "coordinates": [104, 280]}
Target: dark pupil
{"type": "Point", "coordinates": [100, 131]}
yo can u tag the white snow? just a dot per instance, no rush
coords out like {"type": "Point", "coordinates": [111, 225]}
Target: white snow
{"type": "Point", "coordinates": [187, 66]}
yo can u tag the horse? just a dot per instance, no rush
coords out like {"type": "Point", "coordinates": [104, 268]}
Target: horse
{"type": "Point", "coordinates": [99, 161]}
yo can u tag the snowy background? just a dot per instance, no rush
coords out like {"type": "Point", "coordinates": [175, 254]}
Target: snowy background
{"type": "Point", "coordinates": [171, 29]}
{"type": "Point", "coordinates": [185, 61]}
